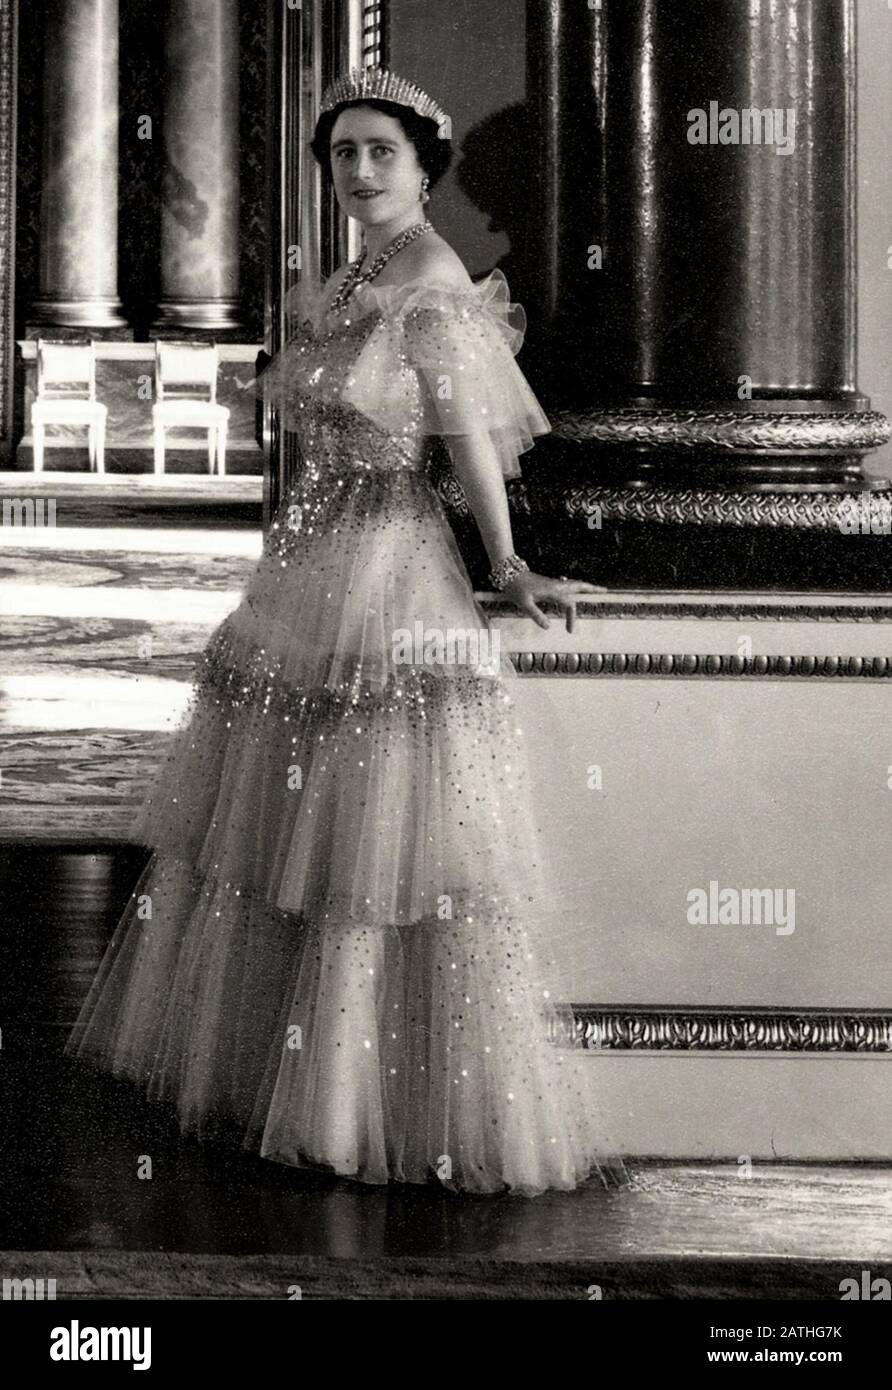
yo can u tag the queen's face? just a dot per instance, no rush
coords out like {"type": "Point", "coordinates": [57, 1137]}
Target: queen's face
{"type": "Point", "coordinates": [377, 176]}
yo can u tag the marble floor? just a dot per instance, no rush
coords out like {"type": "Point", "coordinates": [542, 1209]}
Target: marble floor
{"type": "Point", "coordinates": [109, 589]}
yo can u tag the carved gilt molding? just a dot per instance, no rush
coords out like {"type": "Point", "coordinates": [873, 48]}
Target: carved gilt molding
{"type": "Point", "coordinates": [743, 611]}
{"type": "Point", "coordinates": [699, 664]}
{"type": "Point", "coordinates": [607, 1028]}
{"type": "Point", "coordinates": [728, 431]}
{"type": "Point", "coordinates": [798, 510]}
{"type": "Point", "coordinates": [596, 505]}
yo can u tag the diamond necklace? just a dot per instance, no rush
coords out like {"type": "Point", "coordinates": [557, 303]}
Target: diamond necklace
{"type": "Point", "coordinates": [356, 276]}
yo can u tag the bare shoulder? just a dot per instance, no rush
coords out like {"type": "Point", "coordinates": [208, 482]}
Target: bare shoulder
{"type": "Point", "coordinates": [429, 258]}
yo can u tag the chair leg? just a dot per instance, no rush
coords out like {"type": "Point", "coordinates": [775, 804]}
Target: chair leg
{"type": "Point", "coordinates": [91, 447]}
{"type": "Point", "coordinates": [212, 447]}
{"type": "Point", "coordinates": [37, 431]}
{"type": "Point", "coordinates": [100, 446]}
{"type": "Point", "coordinates": [159, 448]}
{"type": "Point", "coordinates": [222, 432]}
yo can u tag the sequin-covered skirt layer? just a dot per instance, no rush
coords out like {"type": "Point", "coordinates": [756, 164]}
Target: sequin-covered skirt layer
{"type": "Point", "coordinates": [332, 949]}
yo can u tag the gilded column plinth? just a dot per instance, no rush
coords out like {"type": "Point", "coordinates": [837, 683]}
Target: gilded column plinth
{"type": "Point", "coordinates": [200, 193]}
{"type": "Point", "coordinates": [79, 205]}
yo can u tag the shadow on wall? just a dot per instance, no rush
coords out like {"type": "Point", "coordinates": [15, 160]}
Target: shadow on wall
{"type": "Point", "coordinates": [496, 170]}
{"type": "Point", "coordinates": [499, 169]}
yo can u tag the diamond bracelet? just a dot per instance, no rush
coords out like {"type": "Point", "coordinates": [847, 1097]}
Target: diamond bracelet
{"type": "Point", "coordinates": [505, 570]}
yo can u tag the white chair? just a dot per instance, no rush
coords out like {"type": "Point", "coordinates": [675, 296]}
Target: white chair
{"type": "Point", "coordinates": [182, 365]}
{"type": "Point", "coordinates": [66, 395]}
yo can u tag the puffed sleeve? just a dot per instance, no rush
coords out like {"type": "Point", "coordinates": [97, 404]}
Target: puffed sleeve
{"type": "Point", "coordinates": [460, 342]}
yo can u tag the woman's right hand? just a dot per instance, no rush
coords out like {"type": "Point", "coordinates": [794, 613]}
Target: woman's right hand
{"type": "Point", "coordinates": [526, 589]}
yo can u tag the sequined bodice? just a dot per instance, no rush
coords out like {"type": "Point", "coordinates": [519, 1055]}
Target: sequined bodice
{"type": "Point", "coordinates": [382, 385]}
{"type": "Point", "coordinates": [333, 433]}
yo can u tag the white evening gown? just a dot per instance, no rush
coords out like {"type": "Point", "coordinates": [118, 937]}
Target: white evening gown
{"type": "Point", "coordinates": [332, 948]}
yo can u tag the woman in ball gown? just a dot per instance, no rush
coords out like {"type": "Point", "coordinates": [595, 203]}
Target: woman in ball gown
{"type": "Point", "coordinates": [332, 949]}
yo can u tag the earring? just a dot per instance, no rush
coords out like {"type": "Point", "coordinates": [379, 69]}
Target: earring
{"type": "Point", "coordinates": [425, 196]}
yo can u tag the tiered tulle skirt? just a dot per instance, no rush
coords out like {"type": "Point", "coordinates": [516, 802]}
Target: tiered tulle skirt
{"type": "Point", "coordinates": [333, 947]}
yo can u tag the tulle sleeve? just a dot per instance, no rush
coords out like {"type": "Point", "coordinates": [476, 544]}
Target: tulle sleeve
{"type": "Point", "coordinates": [462, 343]}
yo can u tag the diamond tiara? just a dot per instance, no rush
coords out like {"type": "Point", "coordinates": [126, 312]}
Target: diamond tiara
{"type": "Point", "coordinates": [385, 86]}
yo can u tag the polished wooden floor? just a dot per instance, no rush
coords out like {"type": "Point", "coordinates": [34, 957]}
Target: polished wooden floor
{"type": "Point", "coordinates": [71, 1141]}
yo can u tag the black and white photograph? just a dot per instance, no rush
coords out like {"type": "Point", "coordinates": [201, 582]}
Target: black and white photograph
{"type": "Point", "coordinates": [446, 669]}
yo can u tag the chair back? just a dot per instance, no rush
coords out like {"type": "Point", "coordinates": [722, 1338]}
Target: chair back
{"type": "Point", "coordinates": [179, 366]}
{"type": "Point", "coordinates": [66, 371]}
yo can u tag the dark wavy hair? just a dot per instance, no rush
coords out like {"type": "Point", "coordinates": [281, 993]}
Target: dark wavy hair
{"type": "Point", "coordinates": [434, 155]}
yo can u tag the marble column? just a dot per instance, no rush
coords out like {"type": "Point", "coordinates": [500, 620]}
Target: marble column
{"type": "Point", "coordinates": [696, 315]}
{"type": "Point", "coordinates": [78, 283]}
{"type": "Point", "coordinates": [200, 198]}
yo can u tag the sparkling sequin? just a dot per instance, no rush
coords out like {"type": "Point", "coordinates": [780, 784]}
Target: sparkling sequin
{"type": "Point", "coordinates": [332, 952]}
